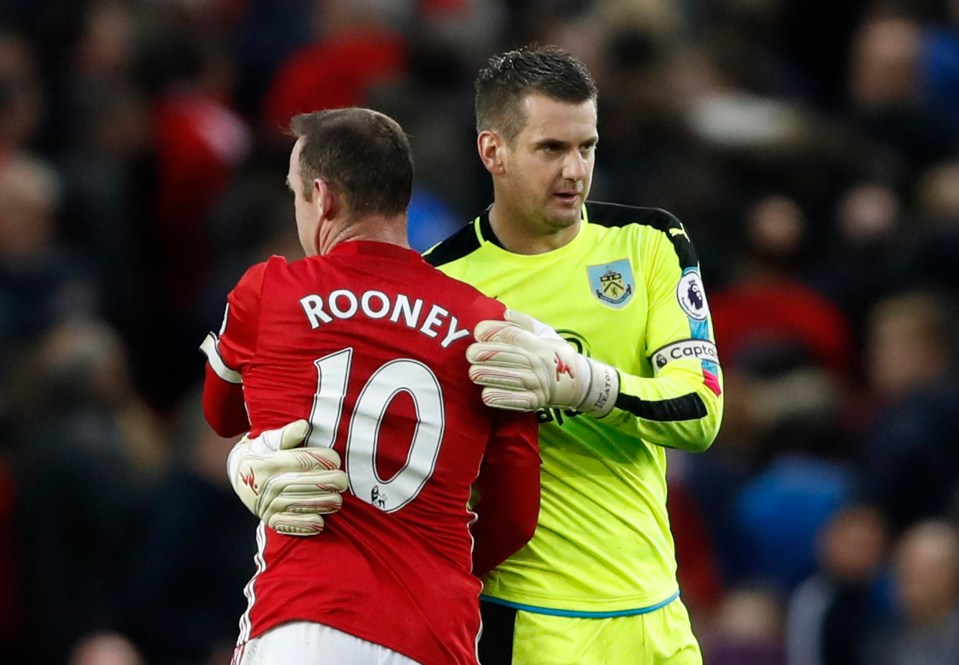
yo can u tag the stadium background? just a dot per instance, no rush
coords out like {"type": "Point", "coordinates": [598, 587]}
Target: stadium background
{"type": "Point", "coordinates": [811, 147]}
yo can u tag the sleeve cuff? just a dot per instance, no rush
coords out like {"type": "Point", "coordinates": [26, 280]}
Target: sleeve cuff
{"type": "Point", "coordinates": [209, 347]}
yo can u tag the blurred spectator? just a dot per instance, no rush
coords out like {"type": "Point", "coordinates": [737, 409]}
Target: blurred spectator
{"type": "Point", "coordinates": [697, 566]}
{"type": "Point", "coordinates": [939, 65]}
{"type": "Point", "coordinates": [714, 483]}
{"type": "Point", "coordinates": [859, 262]}
{"type": "Point", "coordinates": [576, 27]}
{"type": "Point", "coordinates": [430, 220]}
{"type": "Point", "coordinates": [198, 142]}
{"type": "Point", "coordinates": [932, 252]}
{"type": "Point", "coordinates": [832, 614]}
{"type": "Point", "coordinates": [643, 128]}
{"type": "Point", "coordinates": [357, 43]}
{"type": "Point", "coordinates": [21, 93]}
{"type": "Point", "coordinates": [106, 649]}
{"type": "Point", "coordinates": [926, 579]}
{"type": "Point", "coordinates": [196, 590]}
{"type": "Point", "coordinates": [884, 63]}
{"type": "Point", "coordinates": [447, 187]}
{"type": "Point", "coordinates": [939, 193]}
{"type": "Point", "coordinates": [476, 27]}
{"type": "Point", "coordinates": [747, 629]}
{"type": "Point", "coordinates": [40, 281]}
{"type": "Point", "coordinates": [104, 128]}
{"type": "Point", "coordinates": [84, 455]}
{"type": "Point", "coordinates": [885, 71]}
{"type": "Point", "coordinates": [779, 512]}
{"type": "Point", "coordinates": [267, 33]}
{"type": "Point", "coordinates": [767, 308]}
{"type": "Point", "coordinates": [911, 462]}
{"type": "Point", "coordinates": [778, 471]}
{"type": "Point", "coordinates": [819, 48]}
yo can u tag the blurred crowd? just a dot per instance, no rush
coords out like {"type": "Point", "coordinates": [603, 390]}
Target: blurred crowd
{"type": "Point", "coordinates": [811, 147]}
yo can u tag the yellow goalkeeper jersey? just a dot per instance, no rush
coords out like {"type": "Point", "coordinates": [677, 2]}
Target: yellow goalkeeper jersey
{"type": "Point", "coordinates": [626, 291]}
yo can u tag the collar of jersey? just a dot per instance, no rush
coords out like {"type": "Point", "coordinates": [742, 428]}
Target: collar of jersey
{"type": "Point", "coordinates": [488, 239]}
{"type": "Point", "coordinates": [371, 248]}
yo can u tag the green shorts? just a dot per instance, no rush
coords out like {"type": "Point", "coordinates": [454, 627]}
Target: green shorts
{"type": "Point", "coordinates": [514, 636]}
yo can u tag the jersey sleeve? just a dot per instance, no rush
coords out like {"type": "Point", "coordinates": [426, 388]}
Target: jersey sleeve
{"type": "Point", "coordinates": [228, 353]}
{"type": "Point", "coordinates": [508, 486]}
{"type": "Point", "coordinates": [681, 405]}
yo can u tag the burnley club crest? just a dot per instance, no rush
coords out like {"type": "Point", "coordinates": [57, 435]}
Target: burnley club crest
{"type": "Point", "coordinates": [612, 283]}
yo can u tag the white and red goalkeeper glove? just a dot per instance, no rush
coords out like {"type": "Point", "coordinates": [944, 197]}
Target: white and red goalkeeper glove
{"type": "Point", "coordinates": [288, 486]}
{"type": "Point", "coordinates": [524, 365]}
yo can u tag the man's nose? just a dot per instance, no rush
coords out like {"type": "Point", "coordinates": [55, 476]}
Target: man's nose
{"type": "Point", "coordinates": [575, 166]}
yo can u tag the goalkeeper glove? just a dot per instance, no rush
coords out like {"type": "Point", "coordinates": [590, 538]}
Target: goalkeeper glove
{"type": "Point", "coordinates": [288, 486]}
{"type": "Point", "coordinates": [524, 365]}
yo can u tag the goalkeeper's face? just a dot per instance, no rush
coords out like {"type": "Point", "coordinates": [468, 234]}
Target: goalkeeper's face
{"type": "Point", "coordinates": [548, 166]}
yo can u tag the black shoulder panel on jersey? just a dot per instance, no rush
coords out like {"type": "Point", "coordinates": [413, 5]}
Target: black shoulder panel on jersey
{"type": "Point", "coordinates": [616, 215]}
{"type": "Point", "coordinates": [687, 407]}
{"type": "Point", "coordinates": [455, 247]}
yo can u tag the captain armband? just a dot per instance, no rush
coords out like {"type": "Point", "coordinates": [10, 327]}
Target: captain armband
{"type": "Point", "coordinates": [687, 349]}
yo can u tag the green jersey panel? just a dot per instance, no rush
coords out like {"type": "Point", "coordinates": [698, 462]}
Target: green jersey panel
{"type": "Point", "coordinates": [625, 291]}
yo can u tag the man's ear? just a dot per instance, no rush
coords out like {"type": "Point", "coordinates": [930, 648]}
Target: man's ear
{"type": "Point", "coordinates": [326, 199]}
{"type": "Point", "coordinates": [492, 151]}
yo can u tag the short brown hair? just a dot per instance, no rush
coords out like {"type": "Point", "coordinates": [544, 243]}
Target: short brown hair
{"type": "Point", "coordinates": [360, 152]}
{"type": "Point", "coordinates": [508, 77]}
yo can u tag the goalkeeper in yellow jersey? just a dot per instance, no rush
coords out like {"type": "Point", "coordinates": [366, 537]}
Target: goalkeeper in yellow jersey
{"type": "Point", "coordinates": [619, 361]}
{"type": "Point", "coordinates": [638, 372]}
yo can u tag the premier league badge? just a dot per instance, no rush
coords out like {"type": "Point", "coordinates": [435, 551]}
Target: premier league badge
{"type": "Point", "coordinates": [612, 283]}
{"type": "Point", "coordinates": [691, 296]}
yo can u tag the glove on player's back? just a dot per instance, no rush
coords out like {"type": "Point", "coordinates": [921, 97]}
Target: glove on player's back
{"type": "Point", "coordinates": [288, 486]}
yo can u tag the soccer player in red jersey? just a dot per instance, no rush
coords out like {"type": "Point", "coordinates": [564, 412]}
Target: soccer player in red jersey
{"type": "Point", "coordinates": [365, 342]}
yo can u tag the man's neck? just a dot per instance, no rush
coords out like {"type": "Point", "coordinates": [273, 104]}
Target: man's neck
{"type": "Point", "coordinates": [376, 228]}
{"type": "Point", "coordinates": [527, 236]}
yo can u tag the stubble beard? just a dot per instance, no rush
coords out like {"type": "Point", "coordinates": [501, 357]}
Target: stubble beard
{"type": "Point", "coordinates": [560, 218]}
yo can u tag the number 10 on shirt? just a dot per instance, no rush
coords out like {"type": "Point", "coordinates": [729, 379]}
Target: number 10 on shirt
{"type": "Point", "coordinates": [385, 384]}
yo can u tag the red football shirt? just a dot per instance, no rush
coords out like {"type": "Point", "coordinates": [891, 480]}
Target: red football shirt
{"type": "Point", "coordinates": [368, 343]}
